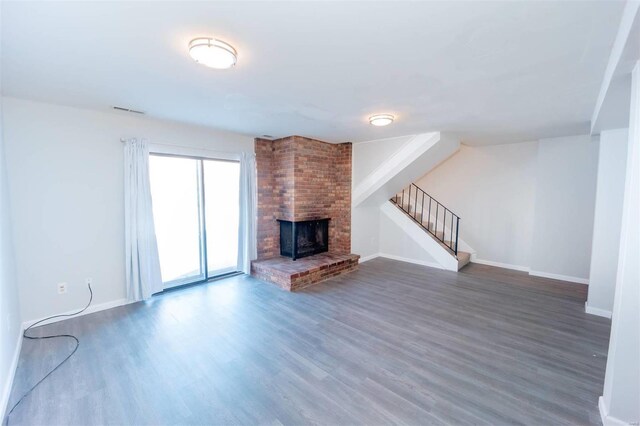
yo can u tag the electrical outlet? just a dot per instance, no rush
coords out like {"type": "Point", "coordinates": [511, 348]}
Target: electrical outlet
{"type": "Point", "coordinates": [62, 288]}
{"type": "Point", "coordinates": [88, 281]}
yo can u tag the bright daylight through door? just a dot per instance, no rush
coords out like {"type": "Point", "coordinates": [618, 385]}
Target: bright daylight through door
{"type": "Point", "coordinates": [196, 214]}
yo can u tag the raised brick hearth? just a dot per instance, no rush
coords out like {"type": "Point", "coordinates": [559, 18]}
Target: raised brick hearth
{"type": "Point", "coordinates": [293, 275]}
{"type": "Point", "coordinates": [302, 179]}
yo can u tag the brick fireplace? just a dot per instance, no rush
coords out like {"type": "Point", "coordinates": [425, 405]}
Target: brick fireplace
{"type": "Point", "coordinates": [302, 179]}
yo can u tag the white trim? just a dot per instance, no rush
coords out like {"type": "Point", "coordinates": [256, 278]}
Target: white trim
{"type": "Point", "coordinates": [607, 420]}
{"type": "Point", "coordinates": [414, 261]}
{"type": "Point", "coordinates": [160, 148]}
{"type": "Point", "coordinates": [536, 273]}
{"type": "Point", "coordinates": [500, 264]}
{"type": "Point", "coordinates": [90, 310]}
{"type": "Point", "coordinates": [596, 311]}
{"type": "Point", "coordinates": [367, 258]}
{"type": "Point", "coordinates": [6, 392]}
{"type": "Point", "coordinates": [397, 162]}
{"type": "Point", "coordinates": [616, 58]}
{"type": "Point", "coordinates": [560, 277]}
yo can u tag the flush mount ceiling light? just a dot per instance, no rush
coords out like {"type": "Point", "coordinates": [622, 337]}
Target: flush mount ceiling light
{"type": "Point", "coordinates": [381, 119]}
{"type": "Point", "coordinates": [213, 53]}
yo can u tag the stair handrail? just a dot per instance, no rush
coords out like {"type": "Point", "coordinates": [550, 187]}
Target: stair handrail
{"type": "Point", "coordinates": [452, 245]}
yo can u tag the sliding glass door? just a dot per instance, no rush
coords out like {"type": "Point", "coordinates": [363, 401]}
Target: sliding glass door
{"type": "Point", "coordinates": [222, 215]}
{"type": "Point", "coordinates": [196, 214]}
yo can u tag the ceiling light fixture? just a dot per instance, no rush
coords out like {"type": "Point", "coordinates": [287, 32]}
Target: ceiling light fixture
{"type": "Point", "coordinates": [381, 119]}
{"type": "Point", "coordinates": [213, 53]}
{"type": "Point", "coordinates": [119, 108]}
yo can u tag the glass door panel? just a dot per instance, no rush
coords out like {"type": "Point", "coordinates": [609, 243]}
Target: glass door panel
{"type": "Point", "coordinates": [177, 200]}
{"type": "Point", "coordinates": [222, 215]}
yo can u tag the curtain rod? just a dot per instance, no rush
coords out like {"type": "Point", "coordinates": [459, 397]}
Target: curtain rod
{"type": "Point", "coordinates": [232, 153]}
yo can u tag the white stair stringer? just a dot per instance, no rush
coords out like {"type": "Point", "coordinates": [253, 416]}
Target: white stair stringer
{"type": "Point", "coordinates": [418, 156]}
{"type": "Point", "coordinates": [424, 240]}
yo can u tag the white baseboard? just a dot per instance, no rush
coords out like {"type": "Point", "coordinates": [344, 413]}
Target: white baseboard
{"type": "Point", "coordinates": [559, 277]}
{"type": "Point", "coordinates": [596, 311]}
{"type": "Point", "coordinates": [607, 420]}
{"type": "Point", "coordinates": [12, 374]}
{"type": "Point", "coordinates": [90, 310]}
{"type": "Point", "coordinates": [367, 258]}
{"type": "Point", "coordinates": [408, 260]}
{"type": "Point", "coordinates": [500, 264]}
{"type": "Point", "coordinates": [532, 273]}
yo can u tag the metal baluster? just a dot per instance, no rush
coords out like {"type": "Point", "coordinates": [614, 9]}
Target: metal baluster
{"type": "Point", "coordinates": [436, 230]}
{"type": "Point", "coordinates": [451, 233]}
{"type": "Point", "coordinates": [409, 201]}
{"type": "Point", "coordinates": [444, 225]}
{"type": "Point", "coordinates": [457, 228]}
{"type": "Point", "coordinates": [444, 221]}
{"type": "Point", "coordinates": [453, 244]}
{"type": "Point", "coordinates": [422, 211]}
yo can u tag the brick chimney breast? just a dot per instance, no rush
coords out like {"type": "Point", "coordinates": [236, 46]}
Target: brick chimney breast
{"type": "Point", "coordinates": [303, 179]}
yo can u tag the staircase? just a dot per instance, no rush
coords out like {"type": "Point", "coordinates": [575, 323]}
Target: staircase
{"type": "Point", "coordinates": [434, 218]}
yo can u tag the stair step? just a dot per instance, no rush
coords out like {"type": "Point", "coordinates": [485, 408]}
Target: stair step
{"type": "Point", "coordinates": [418, 217]}
{"type": "Point", "coordinates": [463, 259]}
{"type": "Point", "coordinates": [444, 236]}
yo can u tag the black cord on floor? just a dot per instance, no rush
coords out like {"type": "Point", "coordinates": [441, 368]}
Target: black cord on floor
{"type": "Point", "coordinates": [24, 334]}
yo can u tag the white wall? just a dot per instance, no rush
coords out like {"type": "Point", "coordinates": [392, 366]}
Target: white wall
{"type": "Point", "coordinates": [612, 158]}
{"type": "Point", "coordinates": [10, 319]}
{"type": "Point", "coordinates": [66, 184]}
{"type": "Point", "coordinates": [492, 189]}
{"type": "Point", "coordinates": [371, 154]}
{"type": "Point", "coordinates": [527, 206]}
{"type": "Point", "coordinates": [397, 243]}
{"type": "Point", "coordinates": [366, 157]}
{"type": "Point", "coordinates": [365, 237]}
{"type": "Point", "coordinates": [620, 401]}
{"type": "Point", "coordinates": [564, 207]}
{"type": "Point", "coordinates": [378, 166]}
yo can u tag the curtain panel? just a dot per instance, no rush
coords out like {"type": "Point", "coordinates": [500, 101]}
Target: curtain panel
{"type": "Point", "coordinates": [143, 276]}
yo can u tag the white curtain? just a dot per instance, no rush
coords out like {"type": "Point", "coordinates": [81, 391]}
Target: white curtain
{"type": "Point", "coordinates": [247, 250]}
{"type": "Point", "coordinates": [141, 251]}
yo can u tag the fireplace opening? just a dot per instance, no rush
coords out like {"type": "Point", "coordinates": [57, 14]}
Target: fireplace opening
{"type": "Point", "coordinates": [303, 238]}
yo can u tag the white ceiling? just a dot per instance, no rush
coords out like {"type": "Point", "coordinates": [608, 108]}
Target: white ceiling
{"type": "Point", "coordinates": [494, 72]}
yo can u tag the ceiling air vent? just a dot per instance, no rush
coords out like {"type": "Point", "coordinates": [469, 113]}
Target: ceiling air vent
{"type": "Point", "coordinates": [117, 108]}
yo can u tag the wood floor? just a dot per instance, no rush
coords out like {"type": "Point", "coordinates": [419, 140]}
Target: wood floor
{"type": "Point", "coordinates": [390, 343]}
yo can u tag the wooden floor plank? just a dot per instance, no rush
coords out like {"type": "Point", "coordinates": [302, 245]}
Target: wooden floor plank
{"type": "Point", "coordinates": [393, 343]}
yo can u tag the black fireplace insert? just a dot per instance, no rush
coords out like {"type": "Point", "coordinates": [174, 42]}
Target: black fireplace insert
{"type": "Point", "coordinates": [303, 238]}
